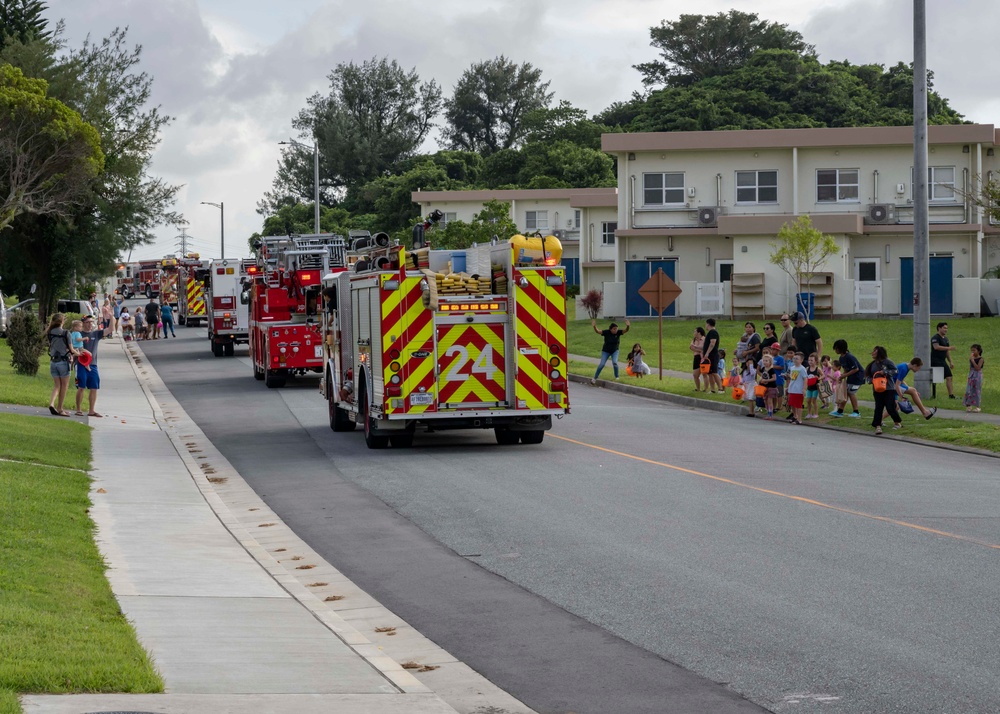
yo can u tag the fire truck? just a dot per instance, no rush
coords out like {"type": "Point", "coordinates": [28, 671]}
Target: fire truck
{"type": "Point", "coordinates": [446, 348]}
{"type": "Point", "coordinates": [227, 294]}
{"type": "Point", "coordinates": [187, 276]}
{"type": "Point", "coordinates": [141, 277]}
{"type": "Point", "coordinates": [284, 295]}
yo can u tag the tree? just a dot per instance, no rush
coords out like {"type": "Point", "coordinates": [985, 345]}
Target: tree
{"type": "Point", "coordinates": [375, 115]}
{"type": "Point", "coordinates": [696, 47]}
{"type": "Point", "coordinates": [801, 250]}
{"type": "Point", "coordinates": [491, 101]}
{"type": "Point", "coordinates": [49, 154]}
{"type": "Point", "coordinates": [22, 20]}
{"type": "Point", "coordinates": [493, 221]}
{"type": "Point", "coordinates": [563, 164]}
{"type": "Point", "coordinates": [125, 202]}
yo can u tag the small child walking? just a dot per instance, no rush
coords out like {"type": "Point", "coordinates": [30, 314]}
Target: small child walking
{"type": "Point", "coordinates": [639, 366]}
{"type": "Point", "coordinates": [974, 385]}
{"type": "Point", "coordinates": [813, 379]}
{"type": "Point", "coordinates": [748, 378]}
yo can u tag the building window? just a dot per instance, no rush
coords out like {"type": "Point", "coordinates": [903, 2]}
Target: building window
{"type": "Point", "coordinates": [837, 185]}
{"type": "Point", "coordinates": [663, 189]}
{"type": "Point", "coordinates": [536, 220]}
{"type": "Point", "coordinates": [940, 183]}
{"type": "Point", "coordinates": [448, 218]}
{"type": "Point", "coordinates": [756, 186]}
{"type": "Point", "coordinates": [608, 232]}
{"type": "Point", "coordinates": [576, 219]}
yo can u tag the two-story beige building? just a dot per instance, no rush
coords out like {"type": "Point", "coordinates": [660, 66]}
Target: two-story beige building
{"type": "Point", "coordinates": [706, 207]}
{"type": "Point", "coordinates": [584, 220]}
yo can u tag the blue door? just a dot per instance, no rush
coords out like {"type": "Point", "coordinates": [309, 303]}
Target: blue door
{"type": "Point", "coordinates": [941, 285]}
{"type": "Point", "coordinates": [637, 272]}
{"type": "Point", "coordinates": [572, 266]}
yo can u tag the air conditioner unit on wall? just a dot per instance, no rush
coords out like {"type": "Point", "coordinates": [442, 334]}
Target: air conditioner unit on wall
{"type": "Point", "coordinates": [708, 216]}
{"type": "Point", "coordinates": [880, 214]}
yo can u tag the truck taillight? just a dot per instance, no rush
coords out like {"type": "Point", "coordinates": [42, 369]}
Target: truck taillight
{"type": "Point", "coordinates": [559, 386]}
{"type": "Point", "coordinates": [394, 391]}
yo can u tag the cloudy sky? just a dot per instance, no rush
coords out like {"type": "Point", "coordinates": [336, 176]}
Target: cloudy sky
{"type": "Point", "coordinates": [233, 73]}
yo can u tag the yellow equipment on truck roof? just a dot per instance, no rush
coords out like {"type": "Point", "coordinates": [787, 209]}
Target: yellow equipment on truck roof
{"type": "Point", "coordinates": [536, 250]}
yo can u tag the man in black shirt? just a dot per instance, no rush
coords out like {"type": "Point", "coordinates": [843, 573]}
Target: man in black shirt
{"type": "Point", "coordinates": [612, 339]}
{"type": "Point", "coordinates": [710, 352]}
{"type": "Point", "coordinates": [807, 339]}
{"type": "Point", "coordinates": [941, 355]}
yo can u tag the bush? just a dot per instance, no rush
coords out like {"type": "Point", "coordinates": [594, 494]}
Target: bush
{"type": "Point", "coordinates": [593, 302]}
{"type": "Point", "coordinates": [26, 341]}
{"type": "Point", "coordinates": [572, 291]}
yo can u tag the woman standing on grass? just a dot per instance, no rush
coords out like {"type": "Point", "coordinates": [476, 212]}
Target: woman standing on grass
{"type": "Point", "coordinates": [974, 387]}
{"type": "Point", "coordinates": [696, 346]}
{"type": "Point", "coordinates": [60, 350]}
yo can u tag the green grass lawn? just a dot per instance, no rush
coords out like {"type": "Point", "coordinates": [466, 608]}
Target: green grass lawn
{"type": "Point", "coordinates": [61, 630]}
{"type": "Point", "coordinates": [861, 335]}
{"type": "Point", "coordinates": [18, 389]}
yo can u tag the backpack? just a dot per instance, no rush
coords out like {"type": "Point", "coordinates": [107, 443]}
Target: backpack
{"type": "Point", "coordinates": [59, 345]}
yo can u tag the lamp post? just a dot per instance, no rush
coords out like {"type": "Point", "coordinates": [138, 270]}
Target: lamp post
{"type": "Point", "coordinates": [315, 150]}
{"type": "Point", "coordinates": [222, 223]}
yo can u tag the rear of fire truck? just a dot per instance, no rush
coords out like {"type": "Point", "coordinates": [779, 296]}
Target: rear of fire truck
{"type": "Point", "coordinates": [227, 297]}
{"type": "Point", "coordinates": [432, 349]}
{"type": "Point", "coordinates": [284, 323]}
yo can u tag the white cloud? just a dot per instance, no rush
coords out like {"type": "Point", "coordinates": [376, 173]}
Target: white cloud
{"type": "Point", "coordinates": [235, 72]}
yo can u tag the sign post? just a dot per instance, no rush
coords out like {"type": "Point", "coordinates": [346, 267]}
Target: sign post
{"type": "Point", "coordinates": [660, 292]}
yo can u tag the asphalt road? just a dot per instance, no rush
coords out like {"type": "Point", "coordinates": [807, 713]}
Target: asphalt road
{"type": "Point", "coordinates": [805, 569]}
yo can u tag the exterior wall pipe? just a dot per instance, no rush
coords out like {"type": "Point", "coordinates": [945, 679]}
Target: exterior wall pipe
{"type": "Point", "coordinates": [795, 180]}
{"type": "Point", "coordinates": [875, 190]}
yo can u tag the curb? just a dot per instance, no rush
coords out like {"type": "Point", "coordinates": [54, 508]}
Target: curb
{"type": "Point", "coordinates": [695, 403]}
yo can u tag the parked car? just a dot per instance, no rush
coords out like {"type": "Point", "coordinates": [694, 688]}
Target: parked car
{"type": "Point", "coordinates": [79, 306]}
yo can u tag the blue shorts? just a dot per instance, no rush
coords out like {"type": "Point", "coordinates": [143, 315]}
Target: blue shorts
{"type": "Point", "coordinates": [812, 393]}
{"type": "Point", "coordinates": [87, 378]}
{"type": "Point", "coordinates": [60, 368]}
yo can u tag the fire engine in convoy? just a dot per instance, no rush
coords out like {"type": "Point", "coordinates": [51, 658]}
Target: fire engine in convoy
{"type": "Point", "coordinates": [140, 277]}
{"type": "Point", "coordinates": [227, 294]}
{"type": "Point", "coordinates": [284, 294]}
{"type": "Point", "coordinates": [446, 348]}
{"type": "Point", "coordinates": [183, 287]}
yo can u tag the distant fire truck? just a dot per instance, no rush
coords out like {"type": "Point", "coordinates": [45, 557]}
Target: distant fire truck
{"type": "Point", "coordinates": [227, 295]}
{"type": "Point", "coordinates": [284, 294]}
{"type": "Point", "coordinates": [476, 339]}
{"type": "Point", "coordinates": [139, 278]}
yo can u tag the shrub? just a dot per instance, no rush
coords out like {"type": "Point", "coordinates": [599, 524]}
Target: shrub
{"type": "Point", "coordinates": [26, 341]}
{"type": "Point", "coordinates": [593, 302]}
{"type": "Point", "coordinates": [572, 291]}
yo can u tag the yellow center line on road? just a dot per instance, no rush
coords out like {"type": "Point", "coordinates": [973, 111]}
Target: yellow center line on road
{"type": "Point", "coordinates": [771, 492]}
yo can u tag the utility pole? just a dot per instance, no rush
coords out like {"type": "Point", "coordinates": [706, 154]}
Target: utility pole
{"type": "Point", "coordinates": [921, 225]}
{"type": "Point", "coordinates": [315, 153]}
{"type": "Point", "coordinates": [183, 237]}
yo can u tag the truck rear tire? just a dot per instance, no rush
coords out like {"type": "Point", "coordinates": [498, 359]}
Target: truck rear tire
{"type": "Point", "coordinates": [217, 349]}
{"type": "Point", "coordinates": [230, 349]}
{"type": "Point", "coordinates": [149, 292]}
{"type": "Point", "coordinates": [274, 381]}
{"type": "Point", "coordinates": [506, 437]}
{"type": "Point", "coordinates": [532, 437]}
{"type": "Point", "coordinates": [373, 440]}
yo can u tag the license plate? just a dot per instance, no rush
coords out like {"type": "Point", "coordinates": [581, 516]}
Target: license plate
{"type": "Point", "coordinates": [421, 400]}
{"type": "Point", "coordinates": [319, 351]}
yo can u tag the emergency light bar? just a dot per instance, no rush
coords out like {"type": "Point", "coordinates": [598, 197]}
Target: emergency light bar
{"type": "Point", "coordinates": [470, 306]}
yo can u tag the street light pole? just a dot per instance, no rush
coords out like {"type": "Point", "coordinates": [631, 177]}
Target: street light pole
{"type": "Point", "coordinates": [315, 150]}
{"type": "Point", "coordinates": [222, 223]}
{"type": "Point", "coordinates": [921, 228]}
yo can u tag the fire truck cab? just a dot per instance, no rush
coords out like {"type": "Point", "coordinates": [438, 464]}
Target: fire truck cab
{"type": "Point", "coordinates": [410, 348]}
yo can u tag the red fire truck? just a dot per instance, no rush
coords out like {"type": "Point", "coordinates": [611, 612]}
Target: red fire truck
{"type": "Point", "coordinates": [191, 274]}
{"type": "Point", "coordinates": [140, 277]}
{"type": "Point", "coordinates": [227, 294]}
{"type": "Point", "coordinates": [284, 294]}
{"type": "Point", "coordinates": [433, 349]}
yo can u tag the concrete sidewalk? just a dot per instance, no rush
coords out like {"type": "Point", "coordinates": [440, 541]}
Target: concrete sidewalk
{"type": "Point", "coordinates": [238, 614]}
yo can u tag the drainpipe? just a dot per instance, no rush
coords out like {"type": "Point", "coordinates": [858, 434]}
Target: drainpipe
{"type": "Point", "coordinates": [718, 190]}
{"type": "Point", "coordinates": [631, 202]}
{"type": "Point", "coordinates": [965, 196]}
{"type": "Point", "coordinates": [795, 180]}
{"type": "Point", "coordinates": [875, 180]}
